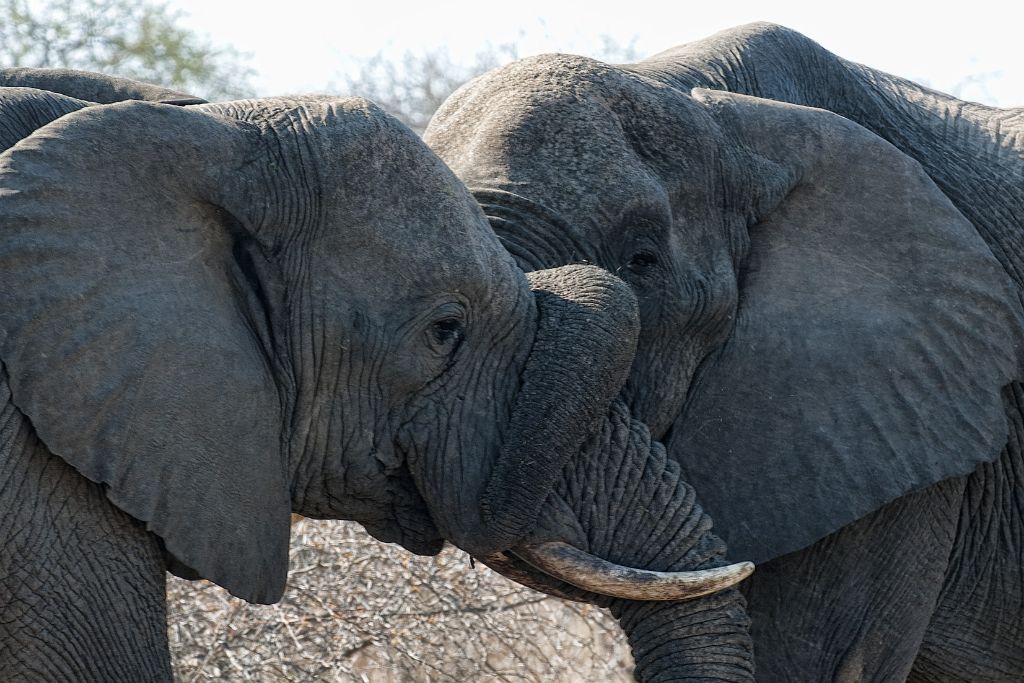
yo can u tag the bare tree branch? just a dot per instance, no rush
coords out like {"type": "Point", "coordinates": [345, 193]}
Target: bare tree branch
{"type": "Point", "coordinates": [369, 612]}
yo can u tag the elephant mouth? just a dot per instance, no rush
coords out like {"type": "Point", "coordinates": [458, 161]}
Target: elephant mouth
{"type": "Point", "coordinates": [587, 572]}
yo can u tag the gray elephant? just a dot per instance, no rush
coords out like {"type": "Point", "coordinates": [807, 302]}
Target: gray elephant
{"type": "Point", "coordinates": [92, 87]}
{"type": "Point", "coordinates": [831, 324]}
{"type": "Point", "coordinates": [216, 315]}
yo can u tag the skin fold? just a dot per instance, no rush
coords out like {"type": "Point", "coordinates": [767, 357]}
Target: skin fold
{"type": "Point", "coordinates": [198, 338]}
{"type": "Point", "coordinates": [830, 315]}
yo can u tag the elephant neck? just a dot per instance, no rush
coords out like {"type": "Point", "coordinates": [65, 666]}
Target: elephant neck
{"type": "Point", "coordinates": [973, 153]}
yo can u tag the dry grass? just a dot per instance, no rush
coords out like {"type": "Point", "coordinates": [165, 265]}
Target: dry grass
{"type": "Point", "coordinates": [359, 610]}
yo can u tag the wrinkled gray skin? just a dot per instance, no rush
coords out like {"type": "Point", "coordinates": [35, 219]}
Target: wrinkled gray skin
{"type": "Point", "coordinates": [92, 87]}
{"type": "Point", "coordinates": [198, 337]}
{"type": "Point", "coordinates": [831, 324]}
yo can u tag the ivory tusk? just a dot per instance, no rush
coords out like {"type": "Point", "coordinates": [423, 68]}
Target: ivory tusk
{"type": "Point", "coordinates": [583, 570]}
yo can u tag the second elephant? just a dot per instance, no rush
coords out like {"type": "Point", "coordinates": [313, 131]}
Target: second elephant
{"type": "Point", "coordinates": [831, 330]}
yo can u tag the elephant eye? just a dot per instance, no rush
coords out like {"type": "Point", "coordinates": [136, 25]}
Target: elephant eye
{"type": "Point", "coordinates": [445, 334]}
{"type": "Point", "coordinates": [642, 260]}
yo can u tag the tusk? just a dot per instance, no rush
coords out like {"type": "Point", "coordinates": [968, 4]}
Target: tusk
{"type": "Point", "coordinates": [583, 570]}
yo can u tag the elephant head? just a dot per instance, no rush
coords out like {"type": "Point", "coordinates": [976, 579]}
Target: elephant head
{"type": "Point", "coordinates": [228, 312]}
{"type": "Point", "coordinates": [822, 330]}
{"type": "Point", "coordinates": [223, 313]}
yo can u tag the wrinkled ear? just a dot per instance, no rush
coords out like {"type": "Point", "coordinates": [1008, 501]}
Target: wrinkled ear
{"type": "Point", "coordinates": [874, 334]}
{"type": "Point", "coordinates": [23, 110]}
{"type": "Point", "coordinates": [133, 333]}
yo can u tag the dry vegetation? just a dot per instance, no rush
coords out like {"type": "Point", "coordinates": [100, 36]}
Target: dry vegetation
{"type": "Point", "coordinates": [359, 610]}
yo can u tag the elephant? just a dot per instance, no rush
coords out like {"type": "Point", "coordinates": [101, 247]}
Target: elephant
{"type": "Point", "coordinates": [92, 87]}
{"type": "Point", "coordinates": [828, 266]}
{"type": "Point", "coordinates": [219, 314]}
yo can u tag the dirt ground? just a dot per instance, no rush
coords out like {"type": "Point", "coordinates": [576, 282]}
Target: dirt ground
{"type": "Point", "coordinates": [360, 610]}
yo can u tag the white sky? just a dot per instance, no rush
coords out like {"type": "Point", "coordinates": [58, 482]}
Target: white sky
{"type": "Point", "coordinates": [298, 46]}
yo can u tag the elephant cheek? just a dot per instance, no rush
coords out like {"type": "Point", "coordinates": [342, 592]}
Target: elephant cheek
{"type": "Point", "coordinates": [677, 338]}
{"type": "Point", "coordinates": [659, 382]}
{"type": "Point", "coordinates": [486, 478]}
{"type": "Point", "coordinates": [450, 465]}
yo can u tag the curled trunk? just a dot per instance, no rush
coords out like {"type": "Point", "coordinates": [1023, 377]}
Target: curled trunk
{"type": "Point", "coordinates": [620, 499]}
{"type": "Point", "coordinates": [586, 335]}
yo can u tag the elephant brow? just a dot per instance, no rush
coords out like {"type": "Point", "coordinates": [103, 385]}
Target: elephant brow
{"type": "Point", "coordinates": [531, 231]}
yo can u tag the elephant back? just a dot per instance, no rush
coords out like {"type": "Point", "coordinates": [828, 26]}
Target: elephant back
{"type": "Point", "coordinates": [92, 86]}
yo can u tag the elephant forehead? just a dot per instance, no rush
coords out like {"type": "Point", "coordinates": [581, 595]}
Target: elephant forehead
{"type": "Point", "coordinates": [343, 165]}
{"type": "Point", "coordinates": [578, 164]}
{"type": "Point", "coordinates": [590, 145]}
{"type": "Point", "coordinates": [386, 266]}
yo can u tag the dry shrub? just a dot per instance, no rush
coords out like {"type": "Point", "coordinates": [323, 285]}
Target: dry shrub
{"type": "Point", "coordinates": [359, 610]}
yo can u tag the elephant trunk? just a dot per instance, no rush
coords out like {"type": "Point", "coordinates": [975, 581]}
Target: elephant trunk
{"type": "Point", "coordinates": [662, 527]}
{"type": "Point", "coordinates": [621, 499]}
{"type": "Point", "coordinates": [703, 640]}
{"type": "Point", "coordinates": [582, 351]}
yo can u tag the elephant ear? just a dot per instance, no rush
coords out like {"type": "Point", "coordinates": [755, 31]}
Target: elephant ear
{"type": "Point", "coordinates": [23, 110]}
{"type": "Point", "coordinates": [133, 332]}
{"type": "Point", "coordinates": [874, 334]}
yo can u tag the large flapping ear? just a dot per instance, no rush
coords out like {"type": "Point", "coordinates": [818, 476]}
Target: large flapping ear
{"type": "Point", "coordinates": [23, 110]}
{"type": "Point", "coordinates": [91, 86]}
{"type": "Point", "coordinates": [133, 332]}
{"type": "Point", "coordinates": [874, 334]}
